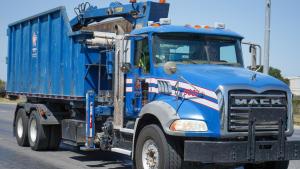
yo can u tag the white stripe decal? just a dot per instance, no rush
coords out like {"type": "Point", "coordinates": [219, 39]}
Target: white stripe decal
{"type": "Point", "coordinates": [199, 100]}
{"type": "Point", "coordinates": [183, 85]}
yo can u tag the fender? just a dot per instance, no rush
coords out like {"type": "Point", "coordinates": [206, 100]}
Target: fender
{"type": "Point", "coordinates": [164, 112]}
{"type": "Point", "coordinates": [47, 116]}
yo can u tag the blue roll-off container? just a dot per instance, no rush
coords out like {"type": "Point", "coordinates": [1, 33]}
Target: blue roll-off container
{"type": "Point", "coordinates": [45, 59]}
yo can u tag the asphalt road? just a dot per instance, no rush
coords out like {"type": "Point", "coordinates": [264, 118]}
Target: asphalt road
{"type": "Point", "coordinates": [15, 157]}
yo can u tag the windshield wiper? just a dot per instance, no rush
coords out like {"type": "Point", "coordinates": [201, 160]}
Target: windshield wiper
{"type": "Point", "coordinates": [190, 60]}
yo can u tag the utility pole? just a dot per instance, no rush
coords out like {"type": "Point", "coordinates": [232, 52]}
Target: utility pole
{"type": "Point", "coordinates": [267, 36]}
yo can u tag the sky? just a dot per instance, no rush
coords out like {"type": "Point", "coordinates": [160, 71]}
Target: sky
{"type": "Point", "coordinates": [247, 17]}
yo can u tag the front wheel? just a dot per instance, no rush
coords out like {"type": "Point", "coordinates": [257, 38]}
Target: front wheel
{"type": "Point", "coordinates": [154, 151]}
{"type": "Point", "coordinates": [269, 165]}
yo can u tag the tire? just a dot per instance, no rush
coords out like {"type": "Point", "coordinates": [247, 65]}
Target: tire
{"type": "Point", "coordinates": [38, 135]}
{"type": "Point", "coordinates": [55, 137]}
{"type": "Point", "coordinates": [269, 165]}
{"type": "Point", "coordinates": [21, 125]}
{"type": "Point", "coordinates": [153, 139]}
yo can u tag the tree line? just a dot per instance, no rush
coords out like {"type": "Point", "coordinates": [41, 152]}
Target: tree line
{"type": "Point", "coordinates": [275, 73]}
{"type": "Point", "coordinates": [2, 88]}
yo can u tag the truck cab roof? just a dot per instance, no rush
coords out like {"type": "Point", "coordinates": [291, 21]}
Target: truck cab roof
{"type": "Point", "coordinates": [186, 29]}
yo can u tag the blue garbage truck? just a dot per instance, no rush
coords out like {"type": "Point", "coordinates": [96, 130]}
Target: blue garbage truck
{"type": "Point", "coordinates": [124, 79]}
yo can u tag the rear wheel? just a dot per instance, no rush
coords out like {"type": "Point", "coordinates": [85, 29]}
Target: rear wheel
{"type": "Point", "coordinates": [155, 151]}
{"type": "Point", "coordinates": [269, 165]}
{"type": "Point", "coordinates": [38, 135]}
{"type": "Point", "coordinates": [21, 124]}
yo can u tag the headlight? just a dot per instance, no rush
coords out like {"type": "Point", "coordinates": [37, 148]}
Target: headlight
{"type": "Point", "coordinates": [189, 125]}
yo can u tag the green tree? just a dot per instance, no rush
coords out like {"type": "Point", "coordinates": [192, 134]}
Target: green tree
{"type": "Point", "coordinates": [2, 88]}
{"type": "Point", "coordinates": [276, 73]}
{"type": "Point", "coordinates": [2, 84]}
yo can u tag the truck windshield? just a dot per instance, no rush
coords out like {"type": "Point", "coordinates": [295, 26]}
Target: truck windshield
{"type": "Point", "coordinates": [196, 49]}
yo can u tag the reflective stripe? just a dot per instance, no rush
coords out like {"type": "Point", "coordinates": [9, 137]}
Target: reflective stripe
{"type": "Point", "coordinates": [153, 90]}
{"type": "Point", "coordinates": [129, 89]}
{"type": "Point", "coordinates": [151, 80]}
{"type": "Point", "coordinates": [129, 81]}
{"type": "Point", "coordinates": [91, 120]}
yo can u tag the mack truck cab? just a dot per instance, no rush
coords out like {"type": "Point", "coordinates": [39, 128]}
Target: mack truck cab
{"type": "Point", "coordinates": [168, 96]}
{"type": "Point", "coordinates": [206, 107]}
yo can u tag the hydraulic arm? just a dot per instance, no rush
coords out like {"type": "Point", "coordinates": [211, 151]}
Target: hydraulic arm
{"type": "Point", "coordinates": [138, 14]}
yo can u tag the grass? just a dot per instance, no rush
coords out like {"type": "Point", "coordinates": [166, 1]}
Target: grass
{"type": "Point", "coordinates": [296, 111]}
{"type": "Point", "coordinates": [297, 119]}
{"type": "Point", "coordinates": [7, 101]}
{"type": "Point", "coordinates": [296, 105]}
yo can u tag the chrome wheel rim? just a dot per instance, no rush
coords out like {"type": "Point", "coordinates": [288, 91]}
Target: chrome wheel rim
{"type": "Point", "coordinates": [150, 155]}
{"type": "Point", "coordinates": [33, 130]}
{"type": "Point", "coordinates": [20, 127]}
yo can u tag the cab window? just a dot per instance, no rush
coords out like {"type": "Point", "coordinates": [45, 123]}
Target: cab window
{"type": "Point", "coordinates": [196, 49]}
{"type": "Point", "coordinates": [141, 56]}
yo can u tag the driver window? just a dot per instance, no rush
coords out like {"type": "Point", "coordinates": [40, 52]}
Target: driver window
{"type": "Point", "coordinates": [141, 57]}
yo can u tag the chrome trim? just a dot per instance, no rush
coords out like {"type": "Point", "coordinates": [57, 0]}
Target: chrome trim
{"type": "Point", "coordinates": [121, 151]}
{"type": "Point", "coordinates": [273, 127]}
{"type": "Point", "coordinates": [236, 124]}
{"type": "Point", "coordinates": [248, 108]}
{"type": "Point", "coordinates": [224, 117]}
{"type": "Point", "coordinates": [256, 95]}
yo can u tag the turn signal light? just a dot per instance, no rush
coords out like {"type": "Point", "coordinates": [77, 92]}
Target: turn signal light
{"type": "Point", "coordinates": [156, 25]}
{"type": "Point", "coordinates": [206, 27]}
{"type": "Point", "coordinates": [162, 1]}
{"type": "Point", "coordinates": [197, 26]}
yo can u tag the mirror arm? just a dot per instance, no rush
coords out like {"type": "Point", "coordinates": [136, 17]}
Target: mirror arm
{"type": "Point", "coordinates": [254, 45]}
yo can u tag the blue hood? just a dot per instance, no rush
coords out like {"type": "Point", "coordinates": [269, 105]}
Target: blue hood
{"type": "Point", "coordinates": [212, 76]}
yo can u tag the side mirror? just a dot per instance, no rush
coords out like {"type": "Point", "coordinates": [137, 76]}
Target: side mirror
{"type": "Point", "coordinates": [253, 50]}
{"type": "Point", "coordinates": [170, 68]}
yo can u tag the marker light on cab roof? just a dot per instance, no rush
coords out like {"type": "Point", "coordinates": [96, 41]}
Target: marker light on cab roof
{"type": "Point", "coordinates": [219, 25]}
{"type": "Point", "coordinates": [165, 21]}
{"type": "Point", "coordinates": [197, 26]}
{"type": "Point", "coordinates": [206, 27]}
{"type": "Point", "coordinates": [155, 25]}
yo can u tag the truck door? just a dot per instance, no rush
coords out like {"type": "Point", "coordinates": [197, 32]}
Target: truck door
{"type": "Point", "coordinates": [136, 86]}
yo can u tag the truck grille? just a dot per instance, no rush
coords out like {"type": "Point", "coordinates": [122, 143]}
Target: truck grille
{"type": "Point", "coordinates": [241, 102]}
